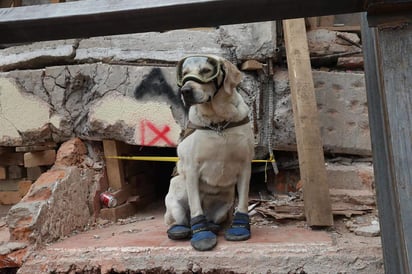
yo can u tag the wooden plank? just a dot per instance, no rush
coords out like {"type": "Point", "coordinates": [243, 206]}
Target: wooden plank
{"type": "Point", "coordinates": [3, 173]}
{"type": "Point", "coordinates": [125, 193]}
{"type": "Point", "coordinates": [36, 147]}
{"type": "Point", "coordinates": [6, 149]}
{"type": "Point", "coordinates": [318, 210]}
{"type": "Point", "coordinates": [120, 212]}
{"type": "Point", "coordinates": [16, 172]}
{"type": "Point", "coordinates": [388, 67]}
{"type": "Point", "coordinates": [12, 191]}
{"type": "Point", "coordinates": [252, 65]}
{"type": "Point", "coordinates": [107, 17]}
{"type": "Point", "coordinates": [356, 29]}
{"type": "Point", "coordinates": [10, 159]}
{"type": "Point", "coordinates": [326, 21]}
{"type": "Point", "coordinates": [40, 158]}
{"type": "Point", "coordinates": [114, 167]}
{"type": "Point", "coordinates": [34, 172]}
{"type": "Point", "coordinates": [312, 22]}
{"type": "Point", "coordinates": [6, 3]}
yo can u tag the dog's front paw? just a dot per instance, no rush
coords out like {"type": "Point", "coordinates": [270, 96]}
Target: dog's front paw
{"type": "Point", "coordinates": [240, 228]}
{"type": "Point", "coordinates": [202, 238]}
{"type": "Point", "coordinates": [179, 232]}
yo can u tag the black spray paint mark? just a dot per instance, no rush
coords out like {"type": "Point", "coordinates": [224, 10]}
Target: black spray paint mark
{"type": "Point", "coordinates": [154, 87]}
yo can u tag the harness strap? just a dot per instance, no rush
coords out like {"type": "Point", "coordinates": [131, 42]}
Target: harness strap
{"type": "Point", "coordinates": [218, 127]}
{"type": "Point", "coordinates": [221, 125]}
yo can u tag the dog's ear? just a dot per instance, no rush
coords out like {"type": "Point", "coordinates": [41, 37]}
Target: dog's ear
{"type": "Point", "coordinates": [233, 77]}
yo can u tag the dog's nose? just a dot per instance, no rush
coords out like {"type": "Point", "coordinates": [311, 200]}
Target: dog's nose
{"type": "Point", "coordinates": [186, 90]}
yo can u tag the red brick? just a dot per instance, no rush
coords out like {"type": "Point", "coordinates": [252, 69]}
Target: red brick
{"type": "Point", "coordinates": [71, 153]}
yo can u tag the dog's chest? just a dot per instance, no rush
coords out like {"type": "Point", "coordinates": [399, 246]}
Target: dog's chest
{"type": "Point", "coordinates": [218, 159]}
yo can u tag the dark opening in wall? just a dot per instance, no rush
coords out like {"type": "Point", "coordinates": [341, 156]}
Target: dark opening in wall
{"type": "Point", "coordinates": [157, 174]}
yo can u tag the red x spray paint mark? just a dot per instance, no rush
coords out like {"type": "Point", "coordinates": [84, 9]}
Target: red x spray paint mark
{"type": "Point", "coordinates": [159, 134]}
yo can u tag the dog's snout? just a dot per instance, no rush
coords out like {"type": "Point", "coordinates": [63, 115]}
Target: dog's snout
{"type": "Point", "coordinates": [186, 90]}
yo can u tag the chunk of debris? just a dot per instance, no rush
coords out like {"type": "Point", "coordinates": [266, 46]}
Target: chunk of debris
{"type": "Point", "coordinates": [372, 230]}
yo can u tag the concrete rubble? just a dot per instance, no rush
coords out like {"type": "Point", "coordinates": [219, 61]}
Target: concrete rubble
{"type": "Point", "coordinates": [102, 101]}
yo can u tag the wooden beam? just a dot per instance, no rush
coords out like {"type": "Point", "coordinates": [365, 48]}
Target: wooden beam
{"type": "Point", "coordinates": [114, 167]}
{"type": "Point", "coordinates": [40, 158]}
{"type": "Point", "coordinates": [318, 209]}
{"type": "Point", "coordinates": [11, 159]}
{"type": "Point", "coordinates": [251, 65]}
{"type": "Point", "coordinates": [388, 78]}
{"type": "Point", "coordinates": [326, 21]}
{"type": "Point", "coordinates": [82, 19]}
{"type": "Point", "coordinates": [6, 3]}
{"type": "Point", "coordinates": [3, 173]}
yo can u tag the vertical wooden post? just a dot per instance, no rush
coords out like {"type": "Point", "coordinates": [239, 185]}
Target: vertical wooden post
{"type": "Point", "coordinates": [114, 167]}
{"type": "Point", "coordinates": [317, 204]}
{"type": "Point", "coordinates": [388, 75]}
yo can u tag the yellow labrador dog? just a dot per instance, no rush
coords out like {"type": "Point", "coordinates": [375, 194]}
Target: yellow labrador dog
{"type": "Point", "coordinates": [214, 159]}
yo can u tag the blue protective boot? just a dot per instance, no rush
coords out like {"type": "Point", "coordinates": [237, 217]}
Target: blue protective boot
{"type": "Point", "coordinates": [179, 232]}
{"type": "Point", "coordinates": [202, 238]}
{"type": "Point", "coordinates": [240, 228]}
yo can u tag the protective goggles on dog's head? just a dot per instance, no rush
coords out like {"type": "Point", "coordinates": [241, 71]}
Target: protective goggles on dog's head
{"type": "Point", "coordinates": [198, 68]}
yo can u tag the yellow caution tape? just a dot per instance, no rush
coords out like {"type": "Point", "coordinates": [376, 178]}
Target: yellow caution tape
{"type": "Point", "coordinates": [169, 159]}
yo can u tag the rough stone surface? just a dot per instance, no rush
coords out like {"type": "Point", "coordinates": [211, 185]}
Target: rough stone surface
{"type": "Point", "coordinates": [39, 54]}
{"type": "Point", "coordinates": [372, 230]}
{"type": "Point", "coordinates": [350, 196]}
{"type": "Point", "coordinates": [357, 176]}
{"type": "Point", "coordinates": [57, 202]}
{"type": "Point", "coordinates": [55, 206]}
{"type": "Point", "coordinates": [164, 47]}
{"type": "Point", "coordinates": [343, 115]}
{"type": "Point", "coordinates": [71, 153]}
{"type": "Point", "coordinates": [327, 42]}
{"type": "Point", "coordinates": [249, 41]}
{"type": "Point", "coordinates": [11, 246]}
{"type": "Point", "coordinates": [235, 42]}
{"type": "Point", "coordinates": [143, 246]}
{"type": "Point", "coordinates": [23, 117]}
{"type": "Point", "coordinates": [141, 105]}
{"type": "Point", "coordinates": [126, 103]}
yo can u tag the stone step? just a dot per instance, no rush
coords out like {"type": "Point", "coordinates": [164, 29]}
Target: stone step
{"type": "Point", "coordinates": [143, 246]}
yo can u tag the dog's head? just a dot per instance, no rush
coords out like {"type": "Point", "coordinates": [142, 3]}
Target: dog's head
{"type": "Point", "coordinates": [201, 77]}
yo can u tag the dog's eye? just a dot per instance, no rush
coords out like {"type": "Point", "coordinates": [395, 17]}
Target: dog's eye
{"type": "Point", "coordinates": [205, 70]}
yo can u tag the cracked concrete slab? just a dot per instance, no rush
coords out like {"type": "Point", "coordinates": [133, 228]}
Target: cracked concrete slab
{"type": "Point", "coordinates": [102, 101]}
{"type": "Point", "coordinates": [21, 115]}
{"type": "Point", "coordinates": [143, 246]}
{"type": "Point", "coordinates": [235, 42]}
{"type": "Point", "coordinates": [342, 108]}
{"type": "Point", "coordinates": [39, 54]}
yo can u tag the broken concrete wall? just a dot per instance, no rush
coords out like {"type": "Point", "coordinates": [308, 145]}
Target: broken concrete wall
{"type": "Point", "coordinates": [124, 89]}
{"type": "Point", "coordinates": [343, 112]}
